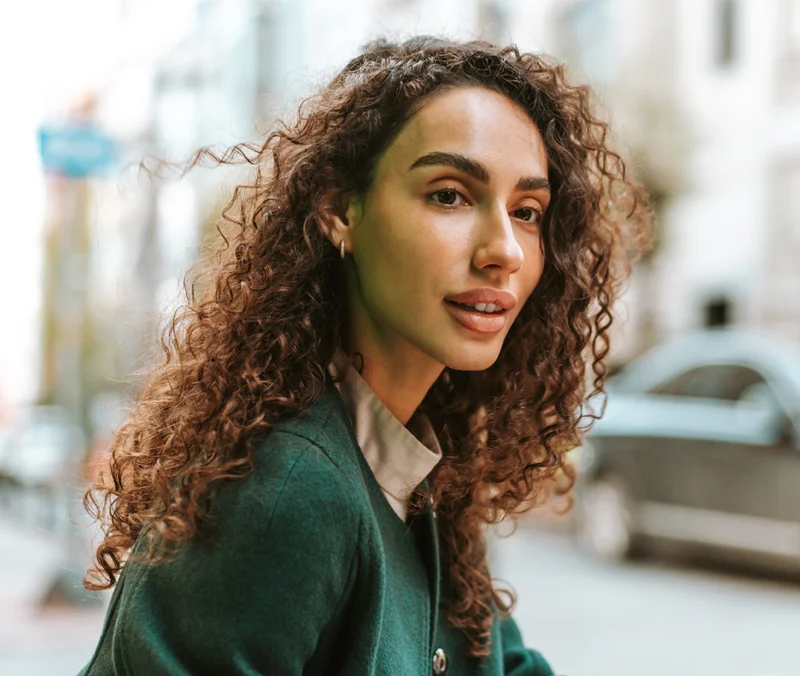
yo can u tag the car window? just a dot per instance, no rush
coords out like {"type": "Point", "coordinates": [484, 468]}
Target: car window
{"type": "Point", "coordinates": [717, 381]}
{"type": "Point", "coordinates": [736, 394]}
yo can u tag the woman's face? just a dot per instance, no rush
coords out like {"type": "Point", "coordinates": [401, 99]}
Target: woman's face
{"type": "Point", "coordinates": [452, 219]}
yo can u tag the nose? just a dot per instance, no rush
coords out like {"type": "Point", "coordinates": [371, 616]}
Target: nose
{"type": "Point", "coordinates": [498, 246]}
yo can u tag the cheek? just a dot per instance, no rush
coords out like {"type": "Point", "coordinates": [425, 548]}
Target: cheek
{"type": "Point", "coordinates": [394, 260]}
{"type": "Point", "coordinates": [413, 242]}
{"type": "Point", "coordinates": [533, 268]}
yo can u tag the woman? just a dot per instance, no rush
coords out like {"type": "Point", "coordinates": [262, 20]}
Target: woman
{"type": "Point", "coordinates": [390, 356]}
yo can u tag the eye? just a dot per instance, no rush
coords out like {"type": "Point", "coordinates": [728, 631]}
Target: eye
{"type": "Point", "coordinates": [447, 197]}
{"type": "Point", "coordinates": [528, 215]}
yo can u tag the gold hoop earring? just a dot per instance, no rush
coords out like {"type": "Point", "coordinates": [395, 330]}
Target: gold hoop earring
{"type": "Point", "coordinates": [341, 250]}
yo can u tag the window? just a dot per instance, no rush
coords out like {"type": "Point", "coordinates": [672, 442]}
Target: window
{"type": "Point", "coordinates": [724, 382]}
{"type": "Point", "coordinates": [787, 75]}
{"type": "Point", "coordinates": [717, 312]}
{"type": "Point", "coordinates": [585, 34]}
{"type": "Point", "coordinates": [790, 19]}
{"type": "Point", "coordinates": [492, 21]}
{"type": "Point", "coordinates": [726, 33]}
{"type": "Point", "coordinates": [266, 67]}
{"type": "Point", "coordinates": [777, 303]}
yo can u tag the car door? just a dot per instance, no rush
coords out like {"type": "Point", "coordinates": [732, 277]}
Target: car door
{"type": "Point", "coordinates": [751, 501]}
{"type": "Point", "coordinates": [733, 466]}
{"type": "Point", "coordinates": [675, 423]}
{"type": "Point", "coordinates": [632, 442]}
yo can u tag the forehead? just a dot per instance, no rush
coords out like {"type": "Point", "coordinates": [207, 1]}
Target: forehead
{"type": "Point", "coordinates": [473, 121]}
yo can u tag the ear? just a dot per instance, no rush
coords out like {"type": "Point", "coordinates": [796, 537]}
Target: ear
{"type": "Point", "coordinates": [339, 215]}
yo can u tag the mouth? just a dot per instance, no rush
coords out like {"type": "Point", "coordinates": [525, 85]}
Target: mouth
{"type": "Point", "coordinates": [481, 308]}
{"type": "Point", "coordinates": [485, 318]}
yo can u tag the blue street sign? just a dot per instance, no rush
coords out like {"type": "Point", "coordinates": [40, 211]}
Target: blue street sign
{"type": "Point", "coordinates": [77, 150]}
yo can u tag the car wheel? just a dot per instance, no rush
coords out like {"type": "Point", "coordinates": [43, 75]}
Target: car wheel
{"type": "Point", "coordinates": [606, 519]}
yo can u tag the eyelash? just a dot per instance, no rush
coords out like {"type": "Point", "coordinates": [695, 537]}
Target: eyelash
{"type": "Point", "coordinates": [537, 219]}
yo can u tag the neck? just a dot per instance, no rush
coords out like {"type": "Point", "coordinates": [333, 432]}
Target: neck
{"type": "Point", "coordinates": [399, 378]}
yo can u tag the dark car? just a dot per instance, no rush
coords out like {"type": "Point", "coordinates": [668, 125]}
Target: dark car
{"type": "Point", "coordinates": [699, 446]}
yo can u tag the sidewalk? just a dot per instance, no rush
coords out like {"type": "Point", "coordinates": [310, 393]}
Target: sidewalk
{"type": "Point", "coordinates": [36, 641]}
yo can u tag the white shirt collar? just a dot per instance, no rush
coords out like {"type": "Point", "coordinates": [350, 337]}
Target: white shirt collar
{"type": "Point", "coordinates": [400, 456]}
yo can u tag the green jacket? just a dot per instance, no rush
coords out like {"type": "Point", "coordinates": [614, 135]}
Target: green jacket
{"type": "Point", "coordinates": [309, 571]}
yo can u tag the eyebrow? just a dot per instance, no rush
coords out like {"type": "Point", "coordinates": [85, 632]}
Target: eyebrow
{"type": "Point", "coordinates": [466, 165]}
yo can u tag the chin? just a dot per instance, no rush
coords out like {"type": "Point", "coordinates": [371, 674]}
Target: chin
{"type": "Point", "coordinates": [472, 358]}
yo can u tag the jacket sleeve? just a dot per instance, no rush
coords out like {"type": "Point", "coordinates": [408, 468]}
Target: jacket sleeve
{"type": "Point", "coordinates": [517, 659]}
{"type": "Point", "coordinates": [262, 595]}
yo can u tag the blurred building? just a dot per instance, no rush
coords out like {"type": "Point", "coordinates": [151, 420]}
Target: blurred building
{"type": "Point", "coordinates": [120, 259]}
{"type": "Point", "coordinates": [233, 69]}
{"type": "Point", "coordinates": [707, 97]}
{"type": "Point", "coordinates": [704, 95]}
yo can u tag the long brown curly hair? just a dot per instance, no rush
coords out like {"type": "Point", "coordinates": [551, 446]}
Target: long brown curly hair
{"type": "Point", "coordinates": [263, 320]}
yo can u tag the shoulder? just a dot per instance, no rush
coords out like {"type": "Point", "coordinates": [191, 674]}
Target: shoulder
{"type": "Point", "coordinates": [294, 511]}
{"type": "Point", "coordinates": [289, 531]}
{"type": "Point", "coordinates": [325, 424]}
{"type": "Point", "coordinates": [302, 476]}
{"type": "Point", "coordinates": [294, 485]}
{"type": "Point", "coordinates": [297, 501]}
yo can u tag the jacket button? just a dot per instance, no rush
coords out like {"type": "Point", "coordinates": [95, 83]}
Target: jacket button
{"type": "Point", "coordinates": [439, 662]}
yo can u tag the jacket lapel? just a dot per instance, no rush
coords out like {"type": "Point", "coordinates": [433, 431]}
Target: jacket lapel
{"type": "Point", "coordinates": [332, 422]}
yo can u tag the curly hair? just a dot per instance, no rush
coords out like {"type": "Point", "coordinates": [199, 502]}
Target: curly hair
{"type": "Point", "coordinates": [264, 318]}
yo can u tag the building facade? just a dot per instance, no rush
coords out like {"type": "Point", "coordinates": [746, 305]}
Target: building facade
{"type": "Point", "coordinates": [707, 94]}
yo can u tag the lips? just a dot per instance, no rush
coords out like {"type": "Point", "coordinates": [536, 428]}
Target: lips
{"type": "Point", "coordinates": [504, 299]}
{"type": "Point", "coordinates": [481, 322]}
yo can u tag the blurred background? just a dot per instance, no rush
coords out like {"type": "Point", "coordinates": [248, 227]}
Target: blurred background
{"type": "Point", "coordinates": [683, 550]}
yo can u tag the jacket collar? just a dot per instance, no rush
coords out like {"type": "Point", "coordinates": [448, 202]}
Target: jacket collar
{"type": "Point", "coordinates": [399, 456]}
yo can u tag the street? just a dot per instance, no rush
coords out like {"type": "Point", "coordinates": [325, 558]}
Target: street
{"type": "Point", "coordinates": [645, 619]}
{"type": "Point", "coordinates": [37, 641]}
